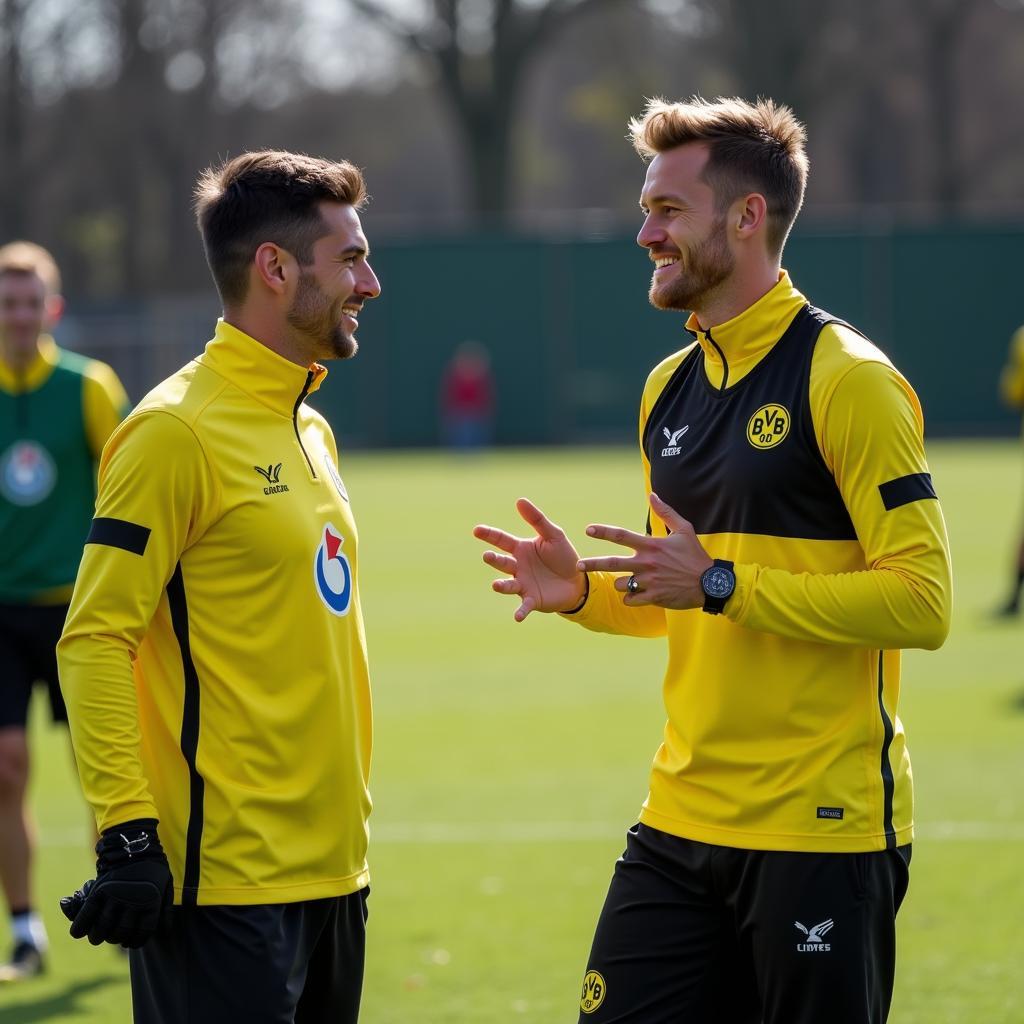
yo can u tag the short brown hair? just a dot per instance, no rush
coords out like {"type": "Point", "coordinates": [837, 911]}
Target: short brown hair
{"type": "Point", "coordinates": [754, 147]}
{"type": "Point", "coordinates": [267, 196]}
{"type": "Point", "coordinates": [29, 258]}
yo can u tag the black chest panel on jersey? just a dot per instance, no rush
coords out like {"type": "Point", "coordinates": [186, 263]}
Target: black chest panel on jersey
{"type": "Point", "coordinates": [745, 459]}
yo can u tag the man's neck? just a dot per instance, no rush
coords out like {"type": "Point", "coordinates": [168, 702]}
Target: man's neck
{"type": "Point", "coordinates": [735, 296]}
{"type": "Point", "coordinates": [19, 360]}
{"type": "Point", "coordinates": [275, 337]}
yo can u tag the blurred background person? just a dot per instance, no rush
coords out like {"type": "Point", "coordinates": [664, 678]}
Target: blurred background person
{"type": "Point", "coordinates": [1011, 390]}
{"type": "Point", "coordinates": [57, 410]}
{"type": "Point", "coordinates": [467, 398]}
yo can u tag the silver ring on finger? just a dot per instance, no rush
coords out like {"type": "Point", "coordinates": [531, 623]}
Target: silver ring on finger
{"type": "Point", "coordinates": [633, 585]}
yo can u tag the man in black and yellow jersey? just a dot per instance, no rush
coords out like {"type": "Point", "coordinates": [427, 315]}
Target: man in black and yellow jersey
{"type": "Point", "coordinates": [57, 410]}
{"type": "Point", "coordinates": [794, 545]}
{"type": "Point", "coordinates": [1011, 389]}
{"type": "Point", "coordinates": [214, 659]}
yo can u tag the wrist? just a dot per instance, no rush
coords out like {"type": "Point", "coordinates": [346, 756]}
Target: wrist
{"type": "Point", "coordinates": [718, 583]}
{"type": "Point", "coordinates": [583, 595]}
{"type": "Point", "coordinates": [128, 843]}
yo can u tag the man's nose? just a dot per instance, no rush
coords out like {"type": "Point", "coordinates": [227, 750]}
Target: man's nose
{"type": "Point", "coordinates": [650, 234]}
{"type": "Point", "coordinates": [369, 286]}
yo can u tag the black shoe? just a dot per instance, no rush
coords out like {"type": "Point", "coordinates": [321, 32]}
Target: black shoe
{"type": "Point", "coordinates": [1010, 610]}
{"type": "Point", "coordinates": [26, 962]}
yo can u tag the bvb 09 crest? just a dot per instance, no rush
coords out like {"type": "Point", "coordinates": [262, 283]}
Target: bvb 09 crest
{"type": "Point", "coordinates": [594, 989]}
{"type": "Point", "coordinates": [768, 426]}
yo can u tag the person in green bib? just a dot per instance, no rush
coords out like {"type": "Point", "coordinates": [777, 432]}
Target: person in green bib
{"type": "Point", "coordinates": [57, 410]}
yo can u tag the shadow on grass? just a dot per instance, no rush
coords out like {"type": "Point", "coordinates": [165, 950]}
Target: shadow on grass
{"type": "Point", "coordinates": [1016, 702]}
{"type": "Point", "coordinates": [59, 1006]}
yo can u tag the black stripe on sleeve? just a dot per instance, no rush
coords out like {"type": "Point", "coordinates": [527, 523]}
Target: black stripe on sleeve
{"type": "Point", "coordinates": [905, 489]}
{"type": "Point", "coordinates": [119, 533]}
{"type": "Point", "coordinates": [189, 739]}
{"type": "Point", "coordinates": [888, 782]}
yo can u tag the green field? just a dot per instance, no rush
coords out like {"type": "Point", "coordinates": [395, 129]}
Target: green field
{"type": "Point", "coordinates": [509, 760]}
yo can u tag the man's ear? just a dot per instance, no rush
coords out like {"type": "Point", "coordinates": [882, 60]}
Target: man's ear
{"type": "Point", "coordinates": [272, 265]}
{"type": "Point", "coordinates": [749, 215]}
{"type": "Point", "coordinates": [53, 309]}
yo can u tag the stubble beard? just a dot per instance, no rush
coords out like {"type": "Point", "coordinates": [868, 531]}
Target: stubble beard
{"type": "Point", "coordinates": [704, 268]}
{"type": "Point", "coordinates": [319, 319]}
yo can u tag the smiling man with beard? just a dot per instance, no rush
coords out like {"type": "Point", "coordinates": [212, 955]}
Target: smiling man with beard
{"type": "Point", "coordinates": [793, 547]}
{"type": "Point", "coordinates": [214, 660]}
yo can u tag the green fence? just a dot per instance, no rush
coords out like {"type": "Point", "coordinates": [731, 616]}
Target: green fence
{"type": "Point", "coordinates": [572, 337]}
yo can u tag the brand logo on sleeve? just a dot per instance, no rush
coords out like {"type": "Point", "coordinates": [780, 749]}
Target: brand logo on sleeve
{"type": "Point", "coordinates": [672, 437]}
{"type": "Point", "coordinates": [332, 472]}
{"type": "Point", "coordinates": [814, 937]}
{"type": "Point", "coordinates": [27, 473]}
{"type": "Point", "coordinates": [594, 989]}
{"type": "Point", "coordinates": [768, 426]}
{"type": "Point", "coordinates": [272, 474]}
{"type": "Point", "coordinates": [332, 573]}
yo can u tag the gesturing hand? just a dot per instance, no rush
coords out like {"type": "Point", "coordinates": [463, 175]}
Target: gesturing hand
{"type": "Point", "coordinates": [542, 569]}
{"type": "Point", "coordinates": [667, 569]}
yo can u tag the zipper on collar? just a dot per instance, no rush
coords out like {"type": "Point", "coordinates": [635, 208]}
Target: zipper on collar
{"type": "Point", "coordinates": [295, 420]}
{"type": "Point", "coordinates": [721, 355]}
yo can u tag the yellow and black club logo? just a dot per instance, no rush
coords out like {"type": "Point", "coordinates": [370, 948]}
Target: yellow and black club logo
{"type": "Point", "coordinates": [594, 989]}
{"type": "Point", "coordinates": [768, 426]}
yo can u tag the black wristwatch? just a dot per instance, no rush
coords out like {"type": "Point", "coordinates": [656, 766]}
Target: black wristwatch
{"type": "Point", "coordinates": [718, 583]}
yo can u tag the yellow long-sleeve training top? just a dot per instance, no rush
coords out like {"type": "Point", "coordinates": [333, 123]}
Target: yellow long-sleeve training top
{"type": "Point", "coordinates": [222, 567]}
{"type": "Point", "coordinates": [1011, 382]}
{"type": "Point", "coordinates": [796, 449]}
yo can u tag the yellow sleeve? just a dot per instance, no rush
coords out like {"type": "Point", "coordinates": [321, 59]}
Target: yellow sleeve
{"type": "Point", "coordinates": [871, 435]}
{"type": "Point", "coordinates": [104, 405]}
{"type": "Point", "coordinates": [156, 497]}
{"type": "Point", "coordinates": [1011, 382]}
{"type": "Point", "coordinates": [604, 611]}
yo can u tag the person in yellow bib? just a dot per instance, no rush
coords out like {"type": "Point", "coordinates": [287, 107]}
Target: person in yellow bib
{"type": "Point", "coordinates": [1011, 390]}
{"type": "Point", "coordinates": [794, 545]}
{"type": "Point", "coordinates": [214, 659]}
{"type": "Point", "coordinates": [57, 410]}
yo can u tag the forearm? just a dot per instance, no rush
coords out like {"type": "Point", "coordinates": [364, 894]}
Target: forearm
{"type": "Point", "coordinates": [900, 605]}
{"type": "Point", "coordinates": [604, 611]}
{"type": "Point", "coordinates": [99, 689]}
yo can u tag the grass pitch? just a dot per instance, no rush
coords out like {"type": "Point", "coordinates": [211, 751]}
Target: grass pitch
{"type": "Point", "coordinates": [510, 759]}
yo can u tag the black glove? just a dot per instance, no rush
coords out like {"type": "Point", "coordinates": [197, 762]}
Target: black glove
{"type": "Point", "coordinates": [131, 891]}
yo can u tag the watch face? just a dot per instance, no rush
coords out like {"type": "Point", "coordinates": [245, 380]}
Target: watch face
{"type": "Point", "coordinates": [718, 582]}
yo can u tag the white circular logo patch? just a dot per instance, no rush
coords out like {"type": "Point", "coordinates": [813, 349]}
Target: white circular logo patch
{"type": "Point", "coordinates": [27, 473]}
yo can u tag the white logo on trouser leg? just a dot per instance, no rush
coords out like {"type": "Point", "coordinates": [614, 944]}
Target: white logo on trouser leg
{"type": "Point", "coordinates": [814, 937]}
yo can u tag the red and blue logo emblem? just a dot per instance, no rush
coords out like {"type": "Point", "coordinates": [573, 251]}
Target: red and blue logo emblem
{"type": "Point", "coordinates": [332, 573]}
{"type": "Point", "coordinates": [27, 473]}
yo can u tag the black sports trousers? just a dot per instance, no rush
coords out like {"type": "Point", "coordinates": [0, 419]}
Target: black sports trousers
{"type": "Point", "coordinates": [279, 963]}
{"type": "Point", "coordinates": [714, 935]}
{"type": "Point", "coordinates": [28, 655]}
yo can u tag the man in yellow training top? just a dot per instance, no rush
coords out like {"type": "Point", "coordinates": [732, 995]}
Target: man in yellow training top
{"type": "Point", "coordinates": [57, 410]}
{"type": "Point", "coordinates": [794, 545]}
{"type": "Point", "coordinates": [214, 658]}
{"type": "Point", "coordinates": [1011, 388]}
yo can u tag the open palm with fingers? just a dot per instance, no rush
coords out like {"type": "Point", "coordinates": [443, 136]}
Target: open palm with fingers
{"type": "Point", "coordinates": [542, 569]}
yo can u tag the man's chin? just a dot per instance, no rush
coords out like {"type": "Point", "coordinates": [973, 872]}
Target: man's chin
{"type": "Point", "coordinates": [667, 297]}
{"type": "Point", "coordinates": [343, 346]}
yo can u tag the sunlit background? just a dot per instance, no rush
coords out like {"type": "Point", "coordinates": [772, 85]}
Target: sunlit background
{"type": "Point", "coordinates": [503, 213]}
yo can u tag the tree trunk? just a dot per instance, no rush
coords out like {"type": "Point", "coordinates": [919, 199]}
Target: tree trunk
{"type": "Point", "coordinates": [13, 174]}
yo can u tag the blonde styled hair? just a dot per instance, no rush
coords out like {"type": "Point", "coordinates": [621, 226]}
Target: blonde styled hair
{"type": "Point", "coordinates": [28, 258]}
{"type": "Point", "coordinates": [753, 147]}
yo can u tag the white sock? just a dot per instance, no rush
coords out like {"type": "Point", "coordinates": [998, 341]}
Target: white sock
{"type": "Point", "coordinates": [29, 927]}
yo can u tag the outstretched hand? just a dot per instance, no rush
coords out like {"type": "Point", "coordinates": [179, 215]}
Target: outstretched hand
{"type": "Point", "coordinates": [667, 569]}
{"type": "Point", "coordinates": [542, 570]}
